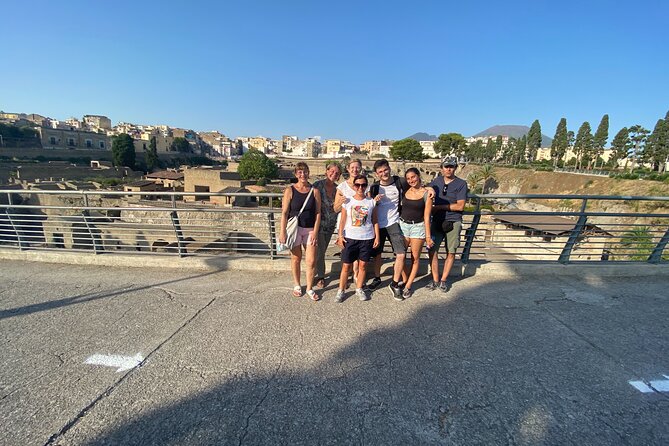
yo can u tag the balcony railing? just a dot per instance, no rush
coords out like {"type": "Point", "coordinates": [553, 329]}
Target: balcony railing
{"type": "Point", "coordinates": [547, 228]}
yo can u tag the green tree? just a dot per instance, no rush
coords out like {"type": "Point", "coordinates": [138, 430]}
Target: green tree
{"type": "Point", "coordinates": [406, 149]}
{"type": "Point", "coordinates": [583, 144]}
{"type": "Point", "coordinates": [486, 173]}
{"type": "Point", "coordinates": [450, 144]}
{"type": "Point", "coordinates": [255, 165]}
{"type": "Point", "coordinates": [621, 145]}
{"type": "Point", "coordinates": [600, 138]}
{"type": "Point", "coordinates": [560, 142]}
{"type": "Point", "coordinates": [637, 243]}
{"type": "Point", "coordinates": [180, 145]}
{"type": "Point", "coordinates": [534, 139]}
{"type": "Point", "coordinates": [488, 151]}
{"type": "Point", "coordinates": [473, 181]}
{"type": "Point", "coordinates": [657, 146]}
{"type": "Point", "coordinates": [151, 155]}
{"type": "Point", "coordinates": [638, 135]}
{"type": "Point", "coordinates": [521, 150]}
{"type": "Point", "coordinates": [123, 151]}
{"type": "Point", "coordinates": [474, 150]}
{"type": "Point", "coordinates": [508, 151]}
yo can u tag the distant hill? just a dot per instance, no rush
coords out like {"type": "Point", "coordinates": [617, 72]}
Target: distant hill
{"type": "Point", "coordinates": [514, 131]}
{"type": "Point", "coordinates": [422, 136]}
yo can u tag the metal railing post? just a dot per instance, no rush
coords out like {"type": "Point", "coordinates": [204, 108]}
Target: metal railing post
{"type": "Point", "coordinates": [179, 233]}
{"type": "Point", "coordinates": [272, 235]}
{"type": "Point", "coordinates": [471, 232]}
{"type": "Point", "coordinates": [86, 214]}
{"type": "Point", "coordinates": [574, 235]}
{"type": "Point", "coordinates": [15, 229]}
{"type": "Point", "coordinates": [656, 255]}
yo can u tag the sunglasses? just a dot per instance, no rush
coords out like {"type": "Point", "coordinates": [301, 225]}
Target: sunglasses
{"type": "Point", "coordinates": [445, 189]}
{"type": "Point", "coordinates": [360, 184]}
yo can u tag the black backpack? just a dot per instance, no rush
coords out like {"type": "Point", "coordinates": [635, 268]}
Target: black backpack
{"type": "Point", "coordinates": [399, 182]}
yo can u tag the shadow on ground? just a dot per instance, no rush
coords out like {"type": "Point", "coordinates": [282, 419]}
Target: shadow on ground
{"type": "Point", "coordinates": [499, 363]}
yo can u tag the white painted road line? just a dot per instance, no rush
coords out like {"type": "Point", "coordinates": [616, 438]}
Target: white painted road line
{"type": "Point", "coordinates": [122, 363]}
{"type": "Point", "coordinates": [660, 385]}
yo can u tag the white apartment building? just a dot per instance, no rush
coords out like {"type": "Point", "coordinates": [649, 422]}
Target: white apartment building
{"type": "Point", "coordinates": [428, 149]}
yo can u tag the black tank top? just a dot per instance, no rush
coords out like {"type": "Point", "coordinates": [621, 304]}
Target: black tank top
{"type": "Point", "coordinates": [308, 217]}
{"type": "Point", "coordinates": [413, 210]}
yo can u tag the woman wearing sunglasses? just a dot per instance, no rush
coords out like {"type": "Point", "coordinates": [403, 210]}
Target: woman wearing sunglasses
{"type": "Point", "coordinates": [360, 224]}
{"type": "Point", "coordinates": [415, 224]}
{"type": "Point", "coordinates": [346, 190]}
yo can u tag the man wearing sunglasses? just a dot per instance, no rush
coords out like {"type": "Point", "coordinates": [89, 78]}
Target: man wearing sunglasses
{"type": "Point", "coordinates": [449, 205]}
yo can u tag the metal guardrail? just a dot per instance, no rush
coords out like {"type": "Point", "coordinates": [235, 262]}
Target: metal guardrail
{"type": "Point", "coordinates": [584, 228]}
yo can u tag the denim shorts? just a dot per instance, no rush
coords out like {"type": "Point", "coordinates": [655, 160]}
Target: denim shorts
{"type": "Point", "coordinates": [413, 230]}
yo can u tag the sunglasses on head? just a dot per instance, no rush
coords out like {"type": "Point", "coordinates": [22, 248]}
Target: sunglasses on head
{"type": "Point", "coordinates": [360, 184]}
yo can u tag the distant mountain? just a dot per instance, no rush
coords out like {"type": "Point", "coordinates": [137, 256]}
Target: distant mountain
{"type": "Point", "coordinates": [514, 131]}
{"type": "Point", "coordinates": [422, 136]}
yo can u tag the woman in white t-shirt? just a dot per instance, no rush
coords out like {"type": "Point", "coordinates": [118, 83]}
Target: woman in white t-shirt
{"type": "Point", "coordinates": [345, 191]}
{"type": "Point", "coordinates": [358, 236]}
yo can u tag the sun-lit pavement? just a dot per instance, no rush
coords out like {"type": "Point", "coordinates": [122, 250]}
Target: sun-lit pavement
{"type": "Point", "coordinates": [100, 355]}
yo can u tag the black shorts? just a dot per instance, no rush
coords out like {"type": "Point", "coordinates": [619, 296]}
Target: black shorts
{"type": "Point", "coordinates": [357, 250]}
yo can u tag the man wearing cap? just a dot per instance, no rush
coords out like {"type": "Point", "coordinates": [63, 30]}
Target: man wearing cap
{"type": "Point", "coordinates": [449, 205]}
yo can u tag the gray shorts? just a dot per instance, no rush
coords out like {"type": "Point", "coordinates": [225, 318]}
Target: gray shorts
{"type": "Point", "coordinates": [394, 234]}
{"type": "Point", "coordinates": [452, 237]}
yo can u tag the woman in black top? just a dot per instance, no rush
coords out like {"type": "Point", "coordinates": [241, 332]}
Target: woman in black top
{"type": "Point", "coordinates": [308, 224]}
{"type": "Point", "coordinates": [415, 224]}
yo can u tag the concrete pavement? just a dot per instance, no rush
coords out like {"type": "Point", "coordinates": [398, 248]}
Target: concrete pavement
{"type": "Point", "coordinates": [229, 357]}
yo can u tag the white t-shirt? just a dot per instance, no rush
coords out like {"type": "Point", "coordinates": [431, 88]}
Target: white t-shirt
{"type": "Point", "coordinates": [388, 213]}
{"type": "Point", "coordinates": [359, 219]}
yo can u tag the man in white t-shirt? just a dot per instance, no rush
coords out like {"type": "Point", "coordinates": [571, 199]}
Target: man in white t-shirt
{"type": "Point", "coordinates": [387, 193]}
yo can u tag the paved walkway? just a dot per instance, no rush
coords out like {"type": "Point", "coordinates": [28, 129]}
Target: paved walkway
{"type": "Point", "coordinates": [229, 357]}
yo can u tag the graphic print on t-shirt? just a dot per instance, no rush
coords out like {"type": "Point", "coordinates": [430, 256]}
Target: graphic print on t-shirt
{"type": "Point", "coordinates": [359, 215]}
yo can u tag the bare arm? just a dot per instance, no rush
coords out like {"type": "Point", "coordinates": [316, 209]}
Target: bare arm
{"type": "Point", "coordinates": [377, 232]}
{"type": "Point", "coordinates": [317, 224]}
{"type": "Point", "coordinates": [339, 200]}
{"type": "Point", "coordinates": [340, 235]}
{"type": "Point", "coordinates": [458, 206]}
{"type": "Point", "coordinates": [285, 209]}
{"type": "Point", "coordinates": [426, 218]}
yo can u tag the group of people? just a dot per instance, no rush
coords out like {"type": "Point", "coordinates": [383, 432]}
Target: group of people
{"type": "Point", "coordinates": [404, 211]}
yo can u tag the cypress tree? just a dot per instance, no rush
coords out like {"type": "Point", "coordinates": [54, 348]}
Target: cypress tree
{"type": "Point", "coordinates": [534, 139]}
{"type": "Point", "coordinates": [600, 138]}
{"type": "Point", "coordinates": [583, 144]}
{"type": "Point", "coordinates": [620, 145]}
{"type": "Point", "coordinates": [521, 148]}
{"type": "Point", "coordinates": [657, 149]}
{"type": "Point", "coordinates": [560, 142]}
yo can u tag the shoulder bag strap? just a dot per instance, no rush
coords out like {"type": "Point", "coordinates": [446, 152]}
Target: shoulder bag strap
{"type": "Point", "coordinates": [305, 202]}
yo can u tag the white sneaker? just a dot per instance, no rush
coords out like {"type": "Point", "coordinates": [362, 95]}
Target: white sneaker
{"type": "Point", "coordinates": [362, 294]}
{"type": "Point", "coordinates": [339, 298]}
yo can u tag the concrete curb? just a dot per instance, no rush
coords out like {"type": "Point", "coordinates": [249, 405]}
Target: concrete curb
{"type": "Point", "coordinates": [250, 263]}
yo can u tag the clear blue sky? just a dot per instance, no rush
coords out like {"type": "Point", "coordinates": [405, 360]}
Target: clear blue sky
{"type": "Point", "coordinates": [354, 70]}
